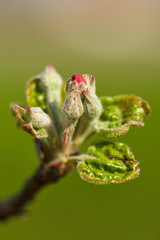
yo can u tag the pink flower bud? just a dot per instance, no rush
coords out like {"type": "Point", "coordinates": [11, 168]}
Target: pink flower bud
{"type": "Point", "coordinates": [78, 78]}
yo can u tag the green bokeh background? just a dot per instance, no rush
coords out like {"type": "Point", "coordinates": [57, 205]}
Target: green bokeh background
{"type": "Point", "coordinates": [74, 209]}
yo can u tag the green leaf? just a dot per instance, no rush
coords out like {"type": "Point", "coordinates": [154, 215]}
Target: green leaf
{"type": "Point", "coordinates": [35, 95]}
{"type": "Point", "coordinates": [63, 94]}
{"type": "Point", "coordinates": [119, 113]}
{"type": "Point", "coordinates": [108, 162]}
{"type": "Point", "coordinates": [21, 121]}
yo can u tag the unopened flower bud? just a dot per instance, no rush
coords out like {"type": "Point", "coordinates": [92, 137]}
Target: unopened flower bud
{"type": "Point", "coordinates": [81, 97]}
{"type": "Point", "coordinates": [93, 105]}
{"type": "Point", "coordinates": [90, 79]}
{"type": "Point", "coordinates": [32, 120]}
{"type": "Point", "coordinates": [51, 82]}
{"type": "Point", "coordinates": [73, 106]}
{"type": "Point", "coordinates": [81, 103]}
{"type": "Point", "coordinates": [76, 82]}
{"type": "Point", "coordinates": [37, 117]}
{"type": "Point", "coordinates": [92, 102]}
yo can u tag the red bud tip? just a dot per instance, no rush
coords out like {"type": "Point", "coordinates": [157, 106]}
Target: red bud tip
{"type": "Point", "coordinates": [50, 68]}
{"type": "Point", "coordinates": [29, 108]}
{"type": "Point", "coordinates": [79, 79]}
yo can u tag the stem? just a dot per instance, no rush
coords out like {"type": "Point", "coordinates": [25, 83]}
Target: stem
{"type": "Point", "coordinates": [68, 136]}
{"type": "Point", "coordinates": [79, 140]}
{"type": "Point", "coordinates": [43, 176]}
{"type": "Point", "coordinates": [79, 158]}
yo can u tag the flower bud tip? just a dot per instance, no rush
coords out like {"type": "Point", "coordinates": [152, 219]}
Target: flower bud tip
{"type": "Point", "coordinates": [50, 68]}
{"type": "Point", "coordinates": [78, 78]}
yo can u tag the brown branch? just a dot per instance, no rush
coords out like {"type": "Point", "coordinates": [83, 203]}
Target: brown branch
{"type": "Point", "coordinates": [43, 176]}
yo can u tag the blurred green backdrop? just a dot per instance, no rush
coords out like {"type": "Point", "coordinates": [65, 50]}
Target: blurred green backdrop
{"type": "Point", "coordinates": [117, 42]}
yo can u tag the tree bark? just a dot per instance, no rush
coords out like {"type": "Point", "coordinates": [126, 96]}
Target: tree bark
{"type": "Point", "coordinates": [43, 176]}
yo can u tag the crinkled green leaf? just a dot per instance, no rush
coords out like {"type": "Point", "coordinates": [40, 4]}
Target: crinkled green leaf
{"type": "Point", "coordinates": [35, 95]}
{"type": "Point", "coordinates": [119, 113]}
{"type": "Point", "coordinates": [63, 93]}
{"type": "Point", "coordinates": [20, 114]}
{"type": "Point", "coordinates": [108, 162]}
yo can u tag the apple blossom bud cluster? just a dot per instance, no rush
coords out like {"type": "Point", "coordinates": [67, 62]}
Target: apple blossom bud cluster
{"type": "Point", "coordinates": [62, 116]}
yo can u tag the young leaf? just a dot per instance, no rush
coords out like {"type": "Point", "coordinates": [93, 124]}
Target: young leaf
{"type": "Point", "coordinates": [108, 162]}
{"type": "Point", "coordinates": [36, 97]}
{"type": "Point", "coordinates": [119, 113]}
